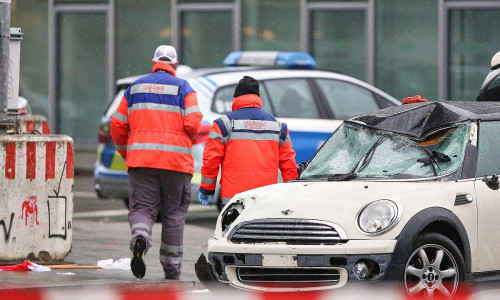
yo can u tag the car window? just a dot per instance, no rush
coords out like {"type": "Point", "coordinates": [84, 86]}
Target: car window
{"type": "Point", "coordinates": [346, 99]}
{"type": "Point", "coordinates": [291, 98]}
{"type": "Point", "coordinates": [114, 104]}
{"type": "Point", "coordinates": [366, 152]}
{"type": "Point", "coordinates": [489, 144]}
{"type": "Point", "coordinates": [223, 100]}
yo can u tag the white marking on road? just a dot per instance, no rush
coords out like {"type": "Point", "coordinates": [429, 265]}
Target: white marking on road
{"type": "Point", "coordinates": [101, 213]}
{"type": "Point", "coordinates": [124, 212]}
{"type": "Point", "coordinates": [84, 194]}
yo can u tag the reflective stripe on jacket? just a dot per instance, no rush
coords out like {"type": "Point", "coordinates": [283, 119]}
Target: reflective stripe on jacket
{"type": "Point", "coordinates": [156, 121]}
{"type": "Point", "coordinates": [251, 145]}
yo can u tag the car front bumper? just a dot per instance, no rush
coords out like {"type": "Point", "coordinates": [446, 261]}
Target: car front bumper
{"type": "Point", "coordinates": [280, 267]}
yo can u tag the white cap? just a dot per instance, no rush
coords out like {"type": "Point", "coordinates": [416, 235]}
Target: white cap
{"type": "Point", "coordinates": [168, 54]}
{"type": "Point", "coordinates": [495, 61]}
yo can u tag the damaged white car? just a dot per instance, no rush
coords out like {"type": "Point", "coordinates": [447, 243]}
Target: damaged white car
{"type": "Point", "coordinates": [407, 193]}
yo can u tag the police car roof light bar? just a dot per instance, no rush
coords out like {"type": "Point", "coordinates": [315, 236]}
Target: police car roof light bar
{"type": "Point", "coordinates": [288, 59]}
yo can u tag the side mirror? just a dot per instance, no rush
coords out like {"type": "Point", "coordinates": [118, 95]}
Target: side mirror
{"type": "Point", "coordinates": [492, 183]}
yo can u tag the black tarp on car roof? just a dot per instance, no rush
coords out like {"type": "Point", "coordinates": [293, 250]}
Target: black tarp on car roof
{"type": "Point", "coordinates": [418, 119]}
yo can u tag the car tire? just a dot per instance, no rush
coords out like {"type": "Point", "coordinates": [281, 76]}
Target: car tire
{"type": "Point", "coordinates": [434, 268]}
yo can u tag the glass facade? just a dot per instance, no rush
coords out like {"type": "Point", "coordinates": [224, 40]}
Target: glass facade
{"type": "Point", "coordinates": [270, 25]}
{"type": "Point", "coordinates": [472, 45]}
{"type": "Point", "coordinates": [338, 41]}
{"type": "Point", "coordinates": [405, 36]}
{"type": "Point", "coordinates": [32, 17]}
{"type": "Point", "coordinates": [205, 38]}
{"type": "Point", "coordinates": [139, 30]}
{"type": "Point", "coordinates": [406, 55]}
{"type": "Point", "coordinates": [82, 92]}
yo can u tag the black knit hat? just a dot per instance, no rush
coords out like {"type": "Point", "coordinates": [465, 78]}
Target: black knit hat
{"type": "Point", "coordinates": [247, 85]}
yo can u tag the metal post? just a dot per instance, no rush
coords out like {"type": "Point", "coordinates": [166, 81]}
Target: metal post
{"type": "Point", "coordinates": [4, 62]}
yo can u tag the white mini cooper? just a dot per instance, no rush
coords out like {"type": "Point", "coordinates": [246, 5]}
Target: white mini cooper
{"type": "Point", "coordinates": [407, 193]}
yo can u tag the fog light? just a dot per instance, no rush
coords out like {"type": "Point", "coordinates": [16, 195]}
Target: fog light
{"type": "Point", "coordinates": [361, 270]}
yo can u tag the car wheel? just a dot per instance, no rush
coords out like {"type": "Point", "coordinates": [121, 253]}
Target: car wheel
{"type": "Point", "coordinates": [434, 268]}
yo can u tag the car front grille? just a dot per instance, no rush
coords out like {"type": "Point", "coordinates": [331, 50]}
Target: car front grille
{"type": "Point", "coordinates": [292, 277]}
{"type": "Point", "coordinates": [290, 231]}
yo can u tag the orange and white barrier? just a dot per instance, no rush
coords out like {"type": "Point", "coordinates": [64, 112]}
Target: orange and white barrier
{"type": "Point", "coordinates": [31, 123]}
{"type": "Point", "coordinates": [36, 197]}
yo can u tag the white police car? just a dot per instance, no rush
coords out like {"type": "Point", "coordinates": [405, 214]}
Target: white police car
{"type": "Point", "coordinates": [313, 103]}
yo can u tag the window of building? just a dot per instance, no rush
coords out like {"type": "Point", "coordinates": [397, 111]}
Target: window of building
{"type": "Point", "coordinates": [339, 40]}
{"type": "Point", "coordinates": [139, 30]}
{"type": "Point", "coordinates": [471, 46]}
{"type": "Point", "coordinates": [406, 48]}
{"type": "Point", "coordinates": [270, 25]}
{"type": "Point", "coordinates": [206, 37]}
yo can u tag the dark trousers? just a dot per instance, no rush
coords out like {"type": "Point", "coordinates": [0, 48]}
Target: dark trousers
{"type": "Point", "coordinates": [169, 192]}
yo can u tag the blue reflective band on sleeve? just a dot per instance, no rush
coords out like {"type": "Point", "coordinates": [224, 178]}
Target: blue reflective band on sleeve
{"type": "Point", "coordinates": [222, 127]}
{"type": "Point", "coordinates": [283, 131]}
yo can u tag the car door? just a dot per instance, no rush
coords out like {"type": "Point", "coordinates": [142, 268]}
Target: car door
{"type": "Point", "coordinates": [488, 199]}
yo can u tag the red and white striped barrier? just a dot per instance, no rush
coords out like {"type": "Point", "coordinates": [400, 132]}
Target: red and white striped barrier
{"type": "Point", "coordinates": [36, 197]}
{"type": "Point", "coordinates": [166, 291]}
{"type": "Point", "coordinates": [31, 123]}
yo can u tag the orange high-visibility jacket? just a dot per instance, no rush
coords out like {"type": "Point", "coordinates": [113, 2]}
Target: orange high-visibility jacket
{"type": "Point", "coordinates": [251, 145]}
{"type": "Point", "coordinates": [156, 121]}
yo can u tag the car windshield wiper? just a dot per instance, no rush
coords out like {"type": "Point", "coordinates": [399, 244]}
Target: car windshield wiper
{"type": "Point", "coordinates": [331, 177]}
{"type": "Point", "coordinates": [342, 177]}
{"type": "Point", "coordinates": [434, 158]}
{"type": "Point", "coordinates": [368, 156]}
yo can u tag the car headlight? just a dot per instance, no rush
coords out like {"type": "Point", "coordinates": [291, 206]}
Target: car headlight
{"type": "Point", "coordinates": [231, 213]}
{"type": "Point", "coordinates": [378, 217]}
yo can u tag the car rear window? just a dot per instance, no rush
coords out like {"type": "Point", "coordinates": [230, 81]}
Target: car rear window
{"type": "Point", "coordinates": [292, 98]}
{"type": "Point", "coordinates": [346, 99]}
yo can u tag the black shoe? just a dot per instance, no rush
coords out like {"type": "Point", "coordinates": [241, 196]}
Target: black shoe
{"type": "Point", "coordinates": [137, 264]}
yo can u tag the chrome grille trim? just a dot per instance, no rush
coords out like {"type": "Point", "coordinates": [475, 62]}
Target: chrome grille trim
{"type": "Point", "coordinates": [256, 276]}
{"type": "Point", "coordinates": [290, 231]}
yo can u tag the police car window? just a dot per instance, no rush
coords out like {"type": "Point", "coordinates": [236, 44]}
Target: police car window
{"type": "Point", "coordinates": [291, 98]}
{"type": "Point", "coordinates": [347, 99]}
{"type": "Point", "coordinates": [110, 110]}
{"type": "Point", "coordinates": [223, 99]}
{"type": "Point", "coordinates": [489, 143]}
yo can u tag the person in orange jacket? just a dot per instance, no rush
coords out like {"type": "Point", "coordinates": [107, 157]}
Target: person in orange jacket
{"type": "Point", "coordinates": [153, 128]}
{"type": "Point", "coordinates": [249, 144]}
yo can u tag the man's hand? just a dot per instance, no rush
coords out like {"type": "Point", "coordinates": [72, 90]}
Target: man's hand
{"type": "Point", "coordinates": [205, 199]}
{"type": "Point", "coordinates": [302, 166]}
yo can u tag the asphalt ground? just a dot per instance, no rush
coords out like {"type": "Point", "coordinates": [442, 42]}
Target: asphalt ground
{"type": "Point", "coordinates": [101, 232]}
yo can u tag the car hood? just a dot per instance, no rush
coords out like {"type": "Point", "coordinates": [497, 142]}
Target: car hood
{"type": "Point", "coordinates": [340, 202]}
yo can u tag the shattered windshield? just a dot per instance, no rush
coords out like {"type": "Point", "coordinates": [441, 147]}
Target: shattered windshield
{"type": "Point", "coordinates": [356, 151]}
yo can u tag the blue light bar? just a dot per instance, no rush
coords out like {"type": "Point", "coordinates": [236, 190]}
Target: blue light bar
{"type": "Point", "coordinates": [270, 58]}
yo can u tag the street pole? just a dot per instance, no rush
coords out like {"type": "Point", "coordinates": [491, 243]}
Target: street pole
{"type": "Point", "coordinates": [5, 121]}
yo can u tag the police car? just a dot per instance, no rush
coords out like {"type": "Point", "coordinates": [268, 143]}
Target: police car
{"type": "Point", "coordinates": [313, 103]}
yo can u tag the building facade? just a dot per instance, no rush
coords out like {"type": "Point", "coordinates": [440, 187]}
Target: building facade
{"type": "Point", "coordinates": [73, 50]}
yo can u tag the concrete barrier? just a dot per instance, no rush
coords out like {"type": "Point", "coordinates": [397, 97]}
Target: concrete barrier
{"type": "Point", "coordinates": [36, 197]}
{"type": "Point", "coordinates": [30, 123]}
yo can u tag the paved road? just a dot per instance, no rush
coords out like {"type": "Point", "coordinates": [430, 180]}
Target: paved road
{"type": "Point", "coordinates": [100, 232]}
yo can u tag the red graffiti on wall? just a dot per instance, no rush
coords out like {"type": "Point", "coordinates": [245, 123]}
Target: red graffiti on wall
{"type": "Point", "coordinates": [30, 209]}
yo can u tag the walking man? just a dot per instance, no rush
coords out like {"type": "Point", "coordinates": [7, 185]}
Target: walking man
{"type": "Point", "coordinates": [249, 143]}
{"type": "Point", "coordinates": [152, 128]}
